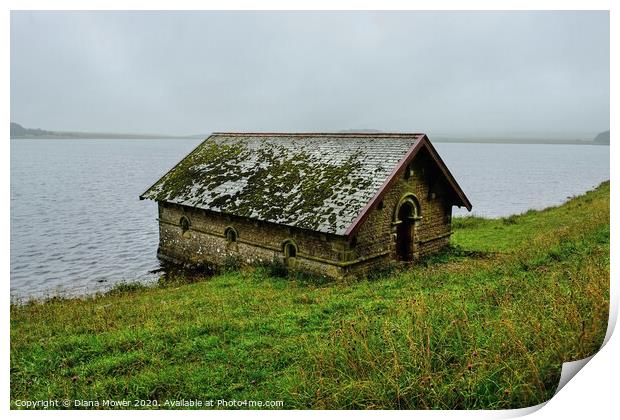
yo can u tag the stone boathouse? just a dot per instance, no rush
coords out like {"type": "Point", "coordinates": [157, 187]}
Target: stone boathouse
{"type": "Point", "coordinates": [335, 204]}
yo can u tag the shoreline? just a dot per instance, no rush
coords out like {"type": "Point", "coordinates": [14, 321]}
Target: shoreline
{"type": "Point", "coordinates": [153, 283]}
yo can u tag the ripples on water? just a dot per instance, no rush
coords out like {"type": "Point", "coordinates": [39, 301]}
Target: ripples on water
{"type": "Point", "coordinates": [77, 225]}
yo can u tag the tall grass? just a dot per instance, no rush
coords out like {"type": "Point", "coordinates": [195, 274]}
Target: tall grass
{"type": "Point", "coordinates": [486, 324]}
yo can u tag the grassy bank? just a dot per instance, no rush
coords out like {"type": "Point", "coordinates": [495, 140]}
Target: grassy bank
{"type": "Point", "coordinates": [484, 325]}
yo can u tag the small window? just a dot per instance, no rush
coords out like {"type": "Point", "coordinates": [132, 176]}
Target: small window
{"type": "Point", "coordinates": [184, 223]}
{"type": "Point", "coordinates": [290, 250]}
{"type": "Point", "coordinates": [231, 235]}
{"type": "Point", "coordinates": [408, 172]}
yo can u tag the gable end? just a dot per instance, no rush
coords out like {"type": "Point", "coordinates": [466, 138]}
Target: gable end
{"type": "Point", "coordinates": [423, 143]}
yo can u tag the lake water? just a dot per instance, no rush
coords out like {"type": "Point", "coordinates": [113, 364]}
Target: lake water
{"type": "Point", "coordinates": [77, 225]}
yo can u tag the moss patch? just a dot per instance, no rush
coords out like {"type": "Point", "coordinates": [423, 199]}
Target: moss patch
{"type": "Point", "coordinates": [282, 184]}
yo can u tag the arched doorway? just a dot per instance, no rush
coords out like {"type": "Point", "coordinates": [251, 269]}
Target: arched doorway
{"type": "Point", "coordinates": [406, 216]}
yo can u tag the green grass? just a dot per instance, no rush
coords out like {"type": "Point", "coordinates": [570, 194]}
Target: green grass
{"type": "Point", "coordinates": [486, 324]}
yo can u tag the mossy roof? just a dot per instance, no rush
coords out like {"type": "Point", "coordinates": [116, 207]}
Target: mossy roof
{"type": "Point", "coordinates": [320, 182]}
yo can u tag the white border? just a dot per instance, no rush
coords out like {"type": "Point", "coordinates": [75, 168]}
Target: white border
{"type": "Point", "coordinates": [591, 393]}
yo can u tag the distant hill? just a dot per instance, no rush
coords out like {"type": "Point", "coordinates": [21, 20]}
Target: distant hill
{"type": "Point", "coordinates": [602, 138]}
{"type": "Point", "coordinates": [361, 130]}
{"type": "Point", "coordinates": [20, 132]}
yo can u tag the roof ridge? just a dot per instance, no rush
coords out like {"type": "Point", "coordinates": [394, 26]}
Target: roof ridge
{"type": "Point", "coordinates": [314, 134]}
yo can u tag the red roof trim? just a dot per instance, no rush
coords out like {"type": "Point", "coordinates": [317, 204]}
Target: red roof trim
{"type": "Point", "coordinates": [411, 153]}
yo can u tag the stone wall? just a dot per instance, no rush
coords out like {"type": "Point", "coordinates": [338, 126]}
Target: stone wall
{"type": "Point", "coordinates": [336, 256]}
{"type": "Point", "coordinates": [256, 241]}
{"type": "Point", "coordinates": [430, 234]}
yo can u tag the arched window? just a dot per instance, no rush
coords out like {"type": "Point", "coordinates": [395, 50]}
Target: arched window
{"type": "Point", "coordinates": [290, 251]}
{"type": "Point", "coordinates": [408, 171]}
{"type": "Point", "coordinates": [231, 234]}
{"type": "Point", "coordinates": [184, 223]}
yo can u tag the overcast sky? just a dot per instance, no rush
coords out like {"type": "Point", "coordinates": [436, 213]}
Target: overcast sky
{"type": "Point", "coordinates": [458, 73]}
